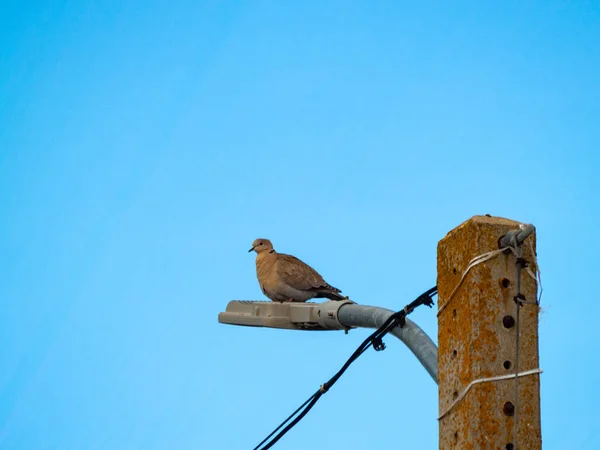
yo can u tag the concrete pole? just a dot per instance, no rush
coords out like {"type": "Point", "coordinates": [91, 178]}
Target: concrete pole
{"type": "Point", "coordinates": [477, 340]}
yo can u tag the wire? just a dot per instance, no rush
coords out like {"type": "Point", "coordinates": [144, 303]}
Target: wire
{"type": "Point", "coordinates": [396, 319]}
{"type": "Point", "coordinates": [286, 420]}
{"type": "Point", "coordinates": [519, 298]}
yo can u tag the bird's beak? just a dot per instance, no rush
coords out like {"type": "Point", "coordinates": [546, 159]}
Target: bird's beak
{"type": "Point", "coordinates": [250, 249]}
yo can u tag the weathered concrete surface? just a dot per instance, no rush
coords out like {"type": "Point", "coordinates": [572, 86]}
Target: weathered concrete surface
{"type": "Point", "coordinates": [473, 343]}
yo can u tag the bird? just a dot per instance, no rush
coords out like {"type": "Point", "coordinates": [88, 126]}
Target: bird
{"type": "Point", "coordinates": [284, 278]}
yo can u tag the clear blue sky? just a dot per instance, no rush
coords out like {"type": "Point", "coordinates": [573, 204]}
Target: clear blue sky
{"type": "Point", "coordinates": [144, 145]}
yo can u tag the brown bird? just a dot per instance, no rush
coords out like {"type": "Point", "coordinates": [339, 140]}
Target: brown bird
{"type": "Point", "coordinates": [284, 278]}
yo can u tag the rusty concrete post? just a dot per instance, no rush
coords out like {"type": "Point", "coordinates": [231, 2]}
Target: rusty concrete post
{"type": "Point", "coordinates": [477, 339]}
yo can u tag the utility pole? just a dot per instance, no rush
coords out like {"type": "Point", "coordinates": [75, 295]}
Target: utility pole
{"type": "Point", "coordinates": [484, 387]}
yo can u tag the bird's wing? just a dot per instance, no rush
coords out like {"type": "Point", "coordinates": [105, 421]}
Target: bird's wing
{"type": "Point", "coordinates": [299, 275]}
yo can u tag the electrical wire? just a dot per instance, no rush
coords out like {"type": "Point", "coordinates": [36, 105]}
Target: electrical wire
{"type": "Point", "coordinates": [374, 340]}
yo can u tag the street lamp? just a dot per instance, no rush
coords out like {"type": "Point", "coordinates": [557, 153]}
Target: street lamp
{"type": "Point", "coordinates": [330, 315]}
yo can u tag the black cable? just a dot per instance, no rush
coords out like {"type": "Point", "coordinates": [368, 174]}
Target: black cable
{"type": "Point", "coordinates": [375, 340]}
{"type": "Point", "coordinates": [285, 421]}
{"type": "Point", "coordinates": [314, 398]}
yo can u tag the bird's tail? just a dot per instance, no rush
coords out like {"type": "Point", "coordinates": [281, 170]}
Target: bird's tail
{"type": "Point", "coordinates": [333, 296]}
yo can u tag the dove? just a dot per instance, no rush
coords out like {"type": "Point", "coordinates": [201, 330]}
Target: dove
{"type": "Point", "coordinates": [284, 278]}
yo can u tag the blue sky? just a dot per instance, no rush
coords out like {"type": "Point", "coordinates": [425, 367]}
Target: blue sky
{"type": "Point", "coordinates": [145, 145]}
